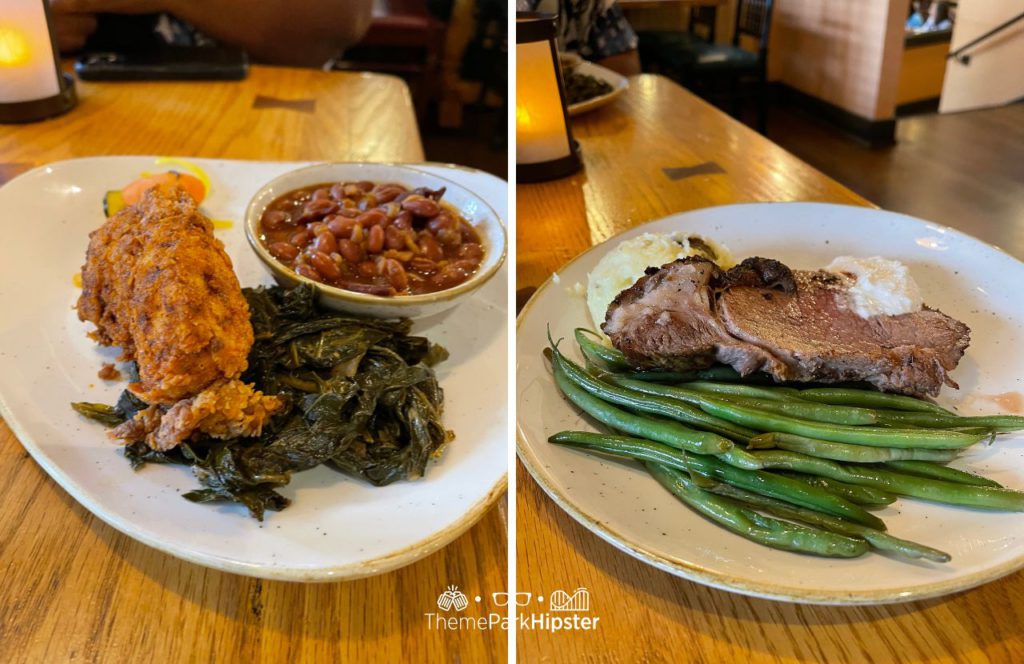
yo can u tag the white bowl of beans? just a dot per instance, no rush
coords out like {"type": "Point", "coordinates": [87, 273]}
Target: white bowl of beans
{"type": "Point", "coordinates": [384, 240]}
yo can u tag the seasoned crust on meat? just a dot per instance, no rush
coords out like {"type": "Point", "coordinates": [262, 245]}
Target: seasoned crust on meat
{"type": "Point", "coordinates": [227, 409]}
{"type": "Point", "coordinates": [668, 319]}
{"type": "Point", "coordinates": [158, 284]}
{"type": "Point", "coordinates": [791, 324]}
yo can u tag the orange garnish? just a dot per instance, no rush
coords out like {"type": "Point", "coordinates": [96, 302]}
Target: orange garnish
{"type": "Point", "coordinates": [193, 185]}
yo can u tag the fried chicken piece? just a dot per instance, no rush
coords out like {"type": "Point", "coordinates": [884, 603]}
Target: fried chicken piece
{"type": "Point", "coordinates": [140, 426]}
{"type": "Point", "coordinates": [227, 409]}
{"type": "Point", "coordinates": [109, 372]}
{"type": "Point", "coordinates": [157, 283]}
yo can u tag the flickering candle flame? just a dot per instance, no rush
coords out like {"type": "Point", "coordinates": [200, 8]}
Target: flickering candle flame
{"type": "Point", "coordinates": [545, 149]}
{"type": "Point", "coordinates": [14, 48]}
{"type": "Point", "coordinates": [28, 70]}
{"type": "Point", "coordinates": [541, 133]}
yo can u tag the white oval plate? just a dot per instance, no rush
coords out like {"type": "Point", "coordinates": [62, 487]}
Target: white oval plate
{"type": "Point", "coordinates": [337, 527]}
{"type": "Point", "coordinates": [618, 501]}
{"type": "Point", "coordinates": [618, 82]}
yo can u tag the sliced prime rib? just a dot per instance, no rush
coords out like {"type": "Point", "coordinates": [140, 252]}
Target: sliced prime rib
{"type": "Point", "coordinates": [793, 325]}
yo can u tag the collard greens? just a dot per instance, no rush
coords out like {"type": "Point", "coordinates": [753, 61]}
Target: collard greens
{"type": "Point", "coordinates": [361, 398]}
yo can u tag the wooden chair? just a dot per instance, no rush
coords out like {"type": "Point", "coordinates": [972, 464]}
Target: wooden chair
{"type": "Point", "coordinates": [705, 67]}
{"type": "Point", "coordinates": [658, 46]}
{"type": "Point", "coordinates": [404, 39]}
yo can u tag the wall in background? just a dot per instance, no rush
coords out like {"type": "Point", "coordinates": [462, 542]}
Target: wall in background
{"type": "Point", "coordinates": [846, 53]}
{"type": "Point", "coordinates": [995, 75]}
{"type": "Point", "coordinates": [841, 52]}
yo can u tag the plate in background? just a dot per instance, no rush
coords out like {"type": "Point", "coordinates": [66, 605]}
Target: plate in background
{"type": "Point", "coordinates": [618, 82]}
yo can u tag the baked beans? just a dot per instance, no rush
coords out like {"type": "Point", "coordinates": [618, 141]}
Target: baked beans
{"type": "Point", "coordinates": [382, 239]}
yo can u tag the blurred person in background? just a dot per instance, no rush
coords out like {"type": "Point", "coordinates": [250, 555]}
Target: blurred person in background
{"type": "Point", "coordinates": [596, 29]}
{"type": "Point", "coordinates": [287, 32]}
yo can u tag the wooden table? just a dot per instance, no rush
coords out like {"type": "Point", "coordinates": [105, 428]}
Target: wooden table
{"type": "Point", "coordinates": [75, 589]}
{"type": "Point", "coordinates": [655, 151]}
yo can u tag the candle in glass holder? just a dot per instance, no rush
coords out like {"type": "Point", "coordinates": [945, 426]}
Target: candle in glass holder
{"type": "Point", "coordinates": [545, 149]}
{"type": "Point", "coordinates": [32, 86]}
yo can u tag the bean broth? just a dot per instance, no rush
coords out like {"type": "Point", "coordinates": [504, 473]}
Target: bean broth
{"type": "Point", "coordinates": [380, 239]}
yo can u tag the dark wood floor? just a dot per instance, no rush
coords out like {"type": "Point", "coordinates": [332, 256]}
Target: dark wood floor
{"type": "Point", "coordinates": [944, 168]}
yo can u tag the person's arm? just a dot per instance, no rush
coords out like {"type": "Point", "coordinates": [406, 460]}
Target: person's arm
{"type": "Point", "coordinates": [308, 32]}
{"type": "Point", "coordinates": [72, 30]}
{"type": "Point", "coordinates": [611, 41]}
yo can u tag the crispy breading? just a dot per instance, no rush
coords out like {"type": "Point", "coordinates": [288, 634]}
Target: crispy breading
{"type": "Point", "coordinates": [140, 426]}
{"type": "Point", "coordinates": [226, 409]}
{"type": "Point", "coordinates": [158, 284]}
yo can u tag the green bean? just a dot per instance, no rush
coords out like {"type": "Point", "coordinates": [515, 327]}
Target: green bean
{"type": "Point", "coordinates": [740, 458]}
{"type": "Point", "coordinates": [933, 471]}
{"type": "Point", "coordinates": [870, 399]}
{"type": "Point", "coordinates": [876, 538]}
{"type": "Point", "coordinates": [839, 433]}
{"type": "Point", "coordinates": [1000, 423]}
{"type": "Point", "coordinates": [940, 491]}
{"type": "Point", "coordinates": [711, 373]}
{"type": "Point", "coordinates": [622, 446]}
{"type": "Point", "coordinates": [627, 446]}
{"type": "Point", "coordinates": [783, 418]}
{"type": "Point", "coordinates": [807, 410]}
{"type": "Point", "coordinates": [599, 353]}
{"type": "Point", "coordinates": [862, 495]}
{"type": "Point", "coordinates": [665, 431]}
{"type": "Point", "coordinates": [979, 431]}
{"type": "Point", "coordinates": [736, 457]}
{"type": "Point", "coordinates": [784, 488]}
{"type": "Point", "coordinates": [762, 441]}
{"type": "Point", "coordinates": [801, 409]}
{"type": "Point", "coordinates": [918, 420]}
{"type": "Point", "coordinates": [768, 484]}
{"type": "Point", "coordinates": [758, 528]}
{"type": "Point", "coordinates": [825, 449]}
{"type": "Point", "coordinates": [611, 359]}
{"type": "Point", "coordinates": [638, 401]}
{"type": "Point", "coordinates": [739, 389]}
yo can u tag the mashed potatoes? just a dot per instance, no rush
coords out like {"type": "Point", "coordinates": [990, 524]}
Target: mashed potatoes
{"type": "Point", "coordinates": [623, 265]}
{"type": "Point", "coordinates": [883, 287]}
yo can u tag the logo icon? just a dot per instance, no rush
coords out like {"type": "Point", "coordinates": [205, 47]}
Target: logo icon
{"type": "Point", "coordinates": [563, 601]}
{"type": "Point", "coordinates": [453, 598]}
{"type": "Point", "coordinates": [502, 599]}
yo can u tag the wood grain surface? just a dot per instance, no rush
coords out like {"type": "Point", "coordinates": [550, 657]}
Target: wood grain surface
{"type": "Point", "coordinates": [278, 113]}
{"type": "Point", "coordinates": [74, 589]}
{"type": "Point", "coordinates": [655, 151]}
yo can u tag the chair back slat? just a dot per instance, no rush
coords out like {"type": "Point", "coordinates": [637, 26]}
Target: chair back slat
{"type": "Point", "coordinates": [753, 18]}
{"type": "Point", "coordinates": [704, 18]}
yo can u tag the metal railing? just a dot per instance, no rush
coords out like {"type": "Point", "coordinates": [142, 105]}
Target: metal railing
{"type": "Point", "coordinates": [964, 58]}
